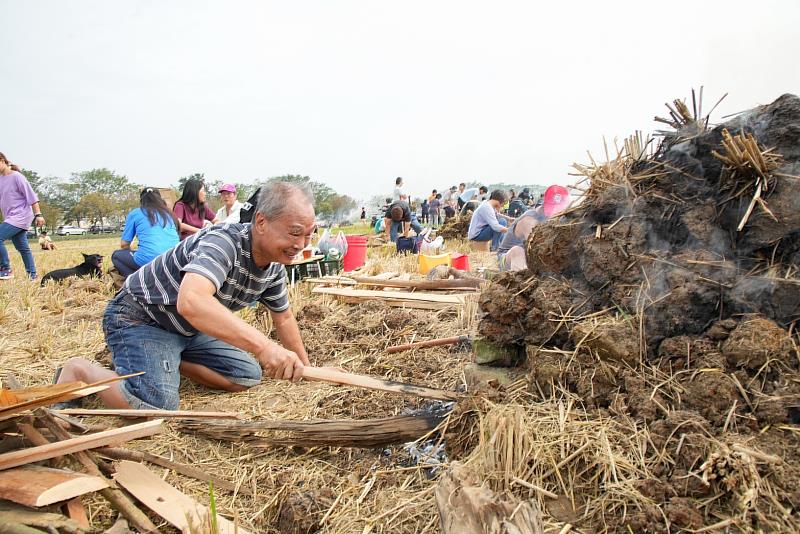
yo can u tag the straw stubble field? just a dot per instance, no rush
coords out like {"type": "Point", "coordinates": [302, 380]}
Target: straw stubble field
{"type": "Point", "coordinates": [282, 489]}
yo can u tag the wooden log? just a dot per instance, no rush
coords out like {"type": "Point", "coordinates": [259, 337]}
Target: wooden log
{"type": "Point", "coordinates": [17, 528]}
{"type": "Point", "coordinates": [34, 436]}
{"type": "Point", "coordinates": [430, 343]}
{"type": "Point", "coordinates": [362, 433]}
{"type": "Point", "coordinates": [174, 414]}
{"type": "Point", "coordinates": [119, 501]}
{"type": "Point", "coordinates": [74, 509]}
{"type": "Point", "coordinates": [394, 298]}
{"type": "Point", "coordinates": [187, 470]}
{"type": "Point", "coordinates": [468, 284]}
{"type": "Point", "coordinates": [177, 508]}
{"type": "Point", "coordinates": [14, 517]}
{"type": "Point", "coordinates": [36, 486]}
{"type": "Point", "coordinates": [368, 382]}
{"type": "Point", "coordinates": [80, 443]}
{"type": "Point", "coordinates": [10, 443]}
{"type": "Point", "coordinates": [467, 506]}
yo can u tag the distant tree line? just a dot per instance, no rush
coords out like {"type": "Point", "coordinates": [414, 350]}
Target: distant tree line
{"type": "Point", "coordinates": [101, 196]}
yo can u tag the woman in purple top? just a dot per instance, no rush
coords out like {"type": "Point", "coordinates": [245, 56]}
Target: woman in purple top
{"type": "Point", "coordinates": [191, 209]}
{"type": "Point", "coordinates": [20, 206]}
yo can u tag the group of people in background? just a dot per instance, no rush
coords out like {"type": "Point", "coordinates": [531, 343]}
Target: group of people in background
{"type": "Point", "coordinates": [157, 228]}
{"type": "Point", "coordinates": [501, 220]}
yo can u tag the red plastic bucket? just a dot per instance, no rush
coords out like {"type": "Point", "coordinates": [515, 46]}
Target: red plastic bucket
{"type": "Point", "coordinates": [460, 262]}
{"type": "Point", "coordinates": [356, 252]}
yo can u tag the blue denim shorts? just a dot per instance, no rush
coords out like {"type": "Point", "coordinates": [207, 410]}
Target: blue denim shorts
{"type": "Point", "coordinates": [137, 345]}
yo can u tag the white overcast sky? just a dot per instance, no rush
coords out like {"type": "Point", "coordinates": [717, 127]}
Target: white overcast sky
{"type": "Point", "coordinates": [355, 93]}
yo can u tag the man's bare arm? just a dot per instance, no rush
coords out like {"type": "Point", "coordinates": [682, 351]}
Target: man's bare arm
{"type": "Point", "coordinates": [196, 303]}
{"type": "Point", "coordinates": [289, 333]}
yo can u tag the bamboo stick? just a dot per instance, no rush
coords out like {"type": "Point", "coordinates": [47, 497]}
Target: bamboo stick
{"type": "Point", "coordinates": [117, 453]}
{"type": "Point", "coordinates": [430, 343]}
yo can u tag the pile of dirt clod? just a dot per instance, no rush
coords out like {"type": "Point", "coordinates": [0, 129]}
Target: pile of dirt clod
{"type": "Point", "coordinates": [456, 227]}
{"type": "Point", "coordinates": [648, 302]}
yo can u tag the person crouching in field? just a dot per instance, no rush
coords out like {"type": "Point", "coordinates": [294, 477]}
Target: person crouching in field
{"type": "Point", "coordinates": [46, 242]}
{"type": "Point", "coordinates": [174, 316]}
{"type": "Point", "coordinates": [19, 206]}
{"type": "Point", "coordinates": [153, 225]}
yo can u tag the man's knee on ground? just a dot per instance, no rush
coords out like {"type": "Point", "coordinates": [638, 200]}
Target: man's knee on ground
{"type": "Point", "coordinates": [76, 367]}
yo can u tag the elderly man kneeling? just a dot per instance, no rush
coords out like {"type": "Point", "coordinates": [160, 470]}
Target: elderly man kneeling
{"type": "Point", "coordinates": [174, 316]}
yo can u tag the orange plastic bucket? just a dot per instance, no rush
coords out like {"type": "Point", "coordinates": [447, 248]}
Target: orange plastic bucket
{"type": "Point", "coordinates": [460, 262]}
{"type": "Point", "coordinates": [356, 252]}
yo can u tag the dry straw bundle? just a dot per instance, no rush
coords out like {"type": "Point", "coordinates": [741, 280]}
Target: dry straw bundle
{"type": "Point", "coordinates": [748, 170]}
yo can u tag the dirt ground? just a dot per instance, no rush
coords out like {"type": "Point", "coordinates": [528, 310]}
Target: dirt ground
{"type": "Point", "coordinates": [378, 490]}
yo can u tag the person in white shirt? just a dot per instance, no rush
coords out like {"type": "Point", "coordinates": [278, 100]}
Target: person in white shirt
{"type": "Point", "coordinates": [229, 212]}
{"type": "Point", "coordinates": [398, 193]}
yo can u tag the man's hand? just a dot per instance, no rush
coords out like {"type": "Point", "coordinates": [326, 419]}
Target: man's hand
{"type": "Point", "coordinates": [39, 221]}
{"type": "Point", "coordinates": [280, 363]}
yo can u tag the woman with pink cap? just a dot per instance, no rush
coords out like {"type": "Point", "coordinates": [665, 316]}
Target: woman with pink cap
{"type": "Point", "coordinates": [229, 212]}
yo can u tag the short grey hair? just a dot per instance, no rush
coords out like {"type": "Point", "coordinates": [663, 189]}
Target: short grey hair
{"type": "Point", "coordinates": [273, 198]}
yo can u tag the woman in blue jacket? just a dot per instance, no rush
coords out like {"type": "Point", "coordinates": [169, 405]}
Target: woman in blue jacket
{"type": "Point", "coordinates": [154, 225]}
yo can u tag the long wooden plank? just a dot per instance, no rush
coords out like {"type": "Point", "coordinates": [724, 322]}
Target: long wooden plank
{"type": "Point", "coordinates": [41, 403]}
{"type": "Point", "coordinates": [426, 301]}
{"type": "Point", "coordinates": [80, 389]}
{"type": "Point", "coordinates": [176, 507]}
{"type": "Point", "coordinates": [463, 284]}
{"type": "Point", "coordinates": [175, 414]}
{"type": "Point", "coordinates": [395, 295]}
{"type": "Point", "coordinates": [368, 382]}
{"type": "Point", "coordinates": [39, 486]}
{"type": "Point", "coordinates": [411, 304]}
{"type": "Point", "coordinates": [80, 443]}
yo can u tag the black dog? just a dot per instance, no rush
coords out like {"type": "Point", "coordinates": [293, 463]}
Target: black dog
{"type": "Point", "coordinates": [92, 266]}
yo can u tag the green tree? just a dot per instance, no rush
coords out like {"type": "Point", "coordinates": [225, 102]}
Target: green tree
{"type": "Point", "coordinates": [102, 181]}
{"type": "Point", "coordinates": [183, 179]}
{"type": "Point", "coordinates": [52, 214]}
{"type": "Point", "coordinates": [96, 206]}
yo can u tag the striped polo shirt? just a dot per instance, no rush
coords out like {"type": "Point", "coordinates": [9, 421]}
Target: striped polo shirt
{"type": "Point", "coordinates": [220, 253]}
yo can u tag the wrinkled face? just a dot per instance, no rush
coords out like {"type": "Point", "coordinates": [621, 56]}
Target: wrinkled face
{"type": "Point", "coordinates": [282, 239]}
{"type": "Point", "coordinates": [228, 198]}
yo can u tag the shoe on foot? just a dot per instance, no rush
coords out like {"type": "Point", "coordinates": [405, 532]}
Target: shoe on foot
{"type": "Point", "coordinates": [6, 274]}
{"type": "Point", "coordinates": [66, 405]}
